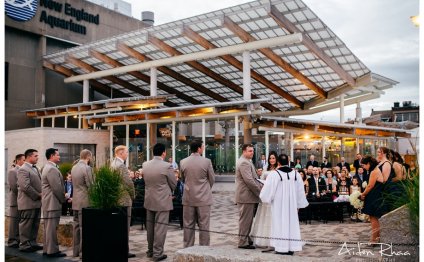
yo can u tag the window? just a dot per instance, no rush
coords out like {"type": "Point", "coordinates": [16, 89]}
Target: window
{"type": "Point", "coordinates": [71, 152]}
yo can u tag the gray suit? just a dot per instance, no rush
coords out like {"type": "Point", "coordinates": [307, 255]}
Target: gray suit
{"type": "Point", "coordinates": [82, 179]}
{"type": "Point", "coordinates": [129, 192]}
{"type": "Point", "coordinates": [198, 176]}
{"type": "Point", "coordinates": [29, 204]}
{"type": "Point", "coordinates": [160, 183]}
{"type": "Point", "coordinates": [247, 197]}
{"type": "Point", "coordinates": [12, 180]}
{"type": "Point", "coordinates": [53, 196]}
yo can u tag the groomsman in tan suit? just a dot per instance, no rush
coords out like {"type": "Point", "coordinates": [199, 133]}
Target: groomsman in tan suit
{"type": "Point", "coordinates": [121, 154]}
{"type": "Point", "coordinates": [29, 202]}
{"type": "Point", "coordinates": [82, 179]}
{"type": "Point", "coordinates": [198, 177]}
{"type": "Point", "coordinates": [53, 196]}
{"type": "Point", "coordinates": [247, 195]}
{"type": "Point", "coordinates": [160, 183]}
{"type": "Point", "coordinates": [12, 180]}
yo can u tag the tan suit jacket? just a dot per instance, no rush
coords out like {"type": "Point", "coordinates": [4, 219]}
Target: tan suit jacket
{"type": "Point", "coordinates": [82, 179]}
{"type": "Point", "coordinates": [198, 177]}
{"type": "Point", "coordinates": [160, 183]}
{"type": "Point", "coordinates": [12, 180]}
{"type": "Point", "coordinates": [129, 192]}
{"type": "Point", "coordinates": [248, 188]}
{"type": "Point", "coordinates": [29, 187]}
{"type": "Point", "coordinates": [53, 191]}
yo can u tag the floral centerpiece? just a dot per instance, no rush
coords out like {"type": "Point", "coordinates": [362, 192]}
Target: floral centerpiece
{"type": "Point", "coordinates": [355, 201]}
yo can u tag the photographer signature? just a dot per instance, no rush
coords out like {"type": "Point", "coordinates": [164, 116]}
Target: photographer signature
{"type": "Point", "coordinates": [385, 250]}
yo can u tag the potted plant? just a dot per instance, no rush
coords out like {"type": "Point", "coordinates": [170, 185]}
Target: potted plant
{"type": "Point", "coordinates": [104, 234]}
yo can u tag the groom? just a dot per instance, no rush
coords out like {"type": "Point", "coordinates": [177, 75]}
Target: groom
{"type": "Point", "coordinates": [247, 195]}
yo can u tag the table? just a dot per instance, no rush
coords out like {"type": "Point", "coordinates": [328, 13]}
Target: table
{"type": "Point", "coordinates": [327, 210]}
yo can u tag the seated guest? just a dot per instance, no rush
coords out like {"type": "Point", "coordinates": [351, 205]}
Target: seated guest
{"type": "Point", "coordinates": [316, 184]}
{"type": "Point", "coordinates": [298, 164]}
{"type": "Point", "coordinates": [330, 182]}
{"type": "Point", "coordinates": [67, 206]}
{"type": "Point", "coordinates": [309, 171]}
{"type": "Point", "coordinates": [305, 181]}
{"type": "Point", "coordinates": [343, 184]}
{"type": "Point", "coordinates": [336, 172]}
{"type": "Point", "coordinates": [325, 163]}
{"type": "Point", "coordinates": [291, 163]}
{"type": "Point", "coordinates": [361, 176]}
{"type": "Point", "coordinates": [312, 162]}
{"type": "Point", "coordinates": [344, 163]}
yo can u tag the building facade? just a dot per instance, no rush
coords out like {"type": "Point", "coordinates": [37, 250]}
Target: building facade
{"type": "Point", "coordinates": [45, 27]}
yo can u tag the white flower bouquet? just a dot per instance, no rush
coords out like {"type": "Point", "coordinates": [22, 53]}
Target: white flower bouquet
{"type": "Point", "coordinates": [342, 198]}
{"type": "Point", "coordinates": [355, 201]}
{"type": "Point", "coordinates": [364, 184]}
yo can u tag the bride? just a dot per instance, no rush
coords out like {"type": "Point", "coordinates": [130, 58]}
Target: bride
{"type": "Point", "coordinates": [261, 230]}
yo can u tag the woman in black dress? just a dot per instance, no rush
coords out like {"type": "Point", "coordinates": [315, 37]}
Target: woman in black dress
{"type": "Point", "coordinates": [373, 205]}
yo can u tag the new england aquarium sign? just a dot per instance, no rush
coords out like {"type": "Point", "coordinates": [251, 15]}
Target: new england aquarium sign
{"type": "Point", "coordinates": [24, 10]}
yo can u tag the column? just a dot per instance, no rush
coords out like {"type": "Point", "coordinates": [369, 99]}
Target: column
{"type": "Point", "coordinates": [204, 135]}
{"type": "Point", "coordinates": [247, 130]}
{"type": "Point", "coordinates": [153, 138]}
{"type": "Point", "coordinates": [53, 118]}
{"type": "Point", "coordinates": [236, 137]}
{"type": "Point", "coordinates": [246, 76]}
{"type": "Point", "coordinates": [79, 121]}
{"type": "Point", "coordinates": [153, 81]}
{"type": "Point", "coordinates": [173, 141]}
{"type": "Point", "coordinates": [267, 144]}
{"type": "Point", "coordinates": [357, 145]}
{"type": "Point", "coordinates": [127, 142]}
{"type": "Point", "coordinates": [85, 91]}
{"type": "Point", "coordinates": [147, 141]}
{"type": "Point", "coordinates": [111, 144]}
{"type": "Point", "coordinates": [342, 108]}
{"type": "Point", "coordinates": [323, 147]}
{"type": "Point", "coordinates": [291, 147]}
{"type": "Point", "coordinates": [66, 121]}
{"type": "Point", "coordinates": [41, 122]}
{"type": "Point", "coordinates": [94, 124]}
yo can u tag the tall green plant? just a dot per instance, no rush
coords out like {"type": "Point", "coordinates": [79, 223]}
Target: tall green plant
{"type": "Point", "coordinates": [107, 188]}
{"type": "Point", "coordinates": [65, 168]}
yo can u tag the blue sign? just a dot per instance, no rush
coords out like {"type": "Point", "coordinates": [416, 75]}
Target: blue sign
{"type": "Point", "coordinates": [21, 10]}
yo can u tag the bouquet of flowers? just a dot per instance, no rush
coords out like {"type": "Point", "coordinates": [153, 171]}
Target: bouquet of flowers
{"type": "Point", "coordinates": [342, 198]}
{"type": "Point", "coordinates": [364, 184]}
{"type": "Point", "coordinates": [355, 201]}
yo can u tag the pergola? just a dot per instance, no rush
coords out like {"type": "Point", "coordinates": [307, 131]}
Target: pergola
{"type": "Point", "coordinates": [276, 53]}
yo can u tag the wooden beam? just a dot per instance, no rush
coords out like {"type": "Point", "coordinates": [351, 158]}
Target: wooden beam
{"type": "Point", "coordinates": [306, 41]}
{"type": "Point", "coordinates": [298, 126]}
{"type": "Point", "coordinates": [246, 37]}
{"type": "Point", "coordinates": [205, 70]}
{"type": "Point", "coordinates": [335, 129]}
{"type": "Point", "coordinates": [145, 78]}
{"type": "Point", "coordinates": [166, 70]}
{"type": "Point", "coordinates": [188, 32]}
{"type": "Point", "coordinates": [98, 87]}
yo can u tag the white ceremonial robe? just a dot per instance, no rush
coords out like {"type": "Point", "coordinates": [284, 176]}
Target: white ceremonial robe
{"type": "Point", "coordinates": [285, 197]}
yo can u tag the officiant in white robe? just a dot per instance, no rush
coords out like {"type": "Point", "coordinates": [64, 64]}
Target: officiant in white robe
{"type": "Point", "coordinates": [284, 190]}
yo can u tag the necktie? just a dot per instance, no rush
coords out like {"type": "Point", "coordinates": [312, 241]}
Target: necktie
{"type": "Point", "coordinates": [316, 182]}
{"type": "Point", "coordinates": [38, 173]}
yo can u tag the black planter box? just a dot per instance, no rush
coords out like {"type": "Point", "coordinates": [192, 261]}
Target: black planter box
{"type": "Point", "coordinates": [104, 234]}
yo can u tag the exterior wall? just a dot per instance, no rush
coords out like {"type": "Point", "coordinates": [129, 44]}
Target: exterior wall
{"type": "Point", "coordinates": [17, 141]}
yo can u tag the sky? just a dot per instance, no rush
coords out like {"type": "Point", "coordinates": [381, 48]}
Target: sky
{"type": "Point", "coordinates": [378, 32]}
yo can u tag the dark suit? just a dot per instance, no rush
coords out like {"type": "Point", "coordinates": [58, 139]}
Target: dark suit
{"type": "Point", "coordinates": [67, 206]}
{"type": "Point", "coordinates": [356, 165]}
{"type": "Point", "coordinates": [365, 177]}
{"type": "Point", "coordinates": [313, 185]}
{"type": "Point", "coordinates": [291, 164]}
{"type": "Point", "coordinates": [29, 204]}
{"type": "Point", "coordinates": [346, 164]}
{"type": "Point", "coordinates": [326, 165]}
{"type": "Point", "coordinates": [312, 163]}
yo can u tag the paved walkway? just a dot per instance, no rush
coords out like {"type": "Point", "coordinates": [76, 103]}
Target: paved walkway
{"type": "Point", "coordinates": [224, 219]}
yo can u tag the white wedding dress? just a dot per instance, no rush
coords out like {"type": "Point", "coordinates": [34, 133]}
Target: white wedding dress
{"type": "Point", "coordinates": [262, 222]}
